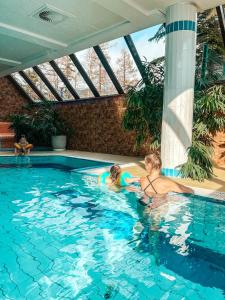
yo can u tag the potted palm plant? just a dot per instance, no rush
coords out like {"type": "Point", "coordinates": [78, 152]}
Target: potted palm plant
{"type": "Point", "coordinates": [52, 126]}
{"type": "Point", "coordinates": [43, 125]}
{"type": "Point", "coordinates": [59, 135]}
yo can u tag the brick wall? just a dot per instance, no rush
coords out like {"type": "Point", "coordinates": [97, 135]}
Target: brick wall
{"type": "Point", "coordinates": [11, 101]}
{"type": "Point", "coordinates": [96, 124]}
{"type": "Point", "coordinates": [98, 127]}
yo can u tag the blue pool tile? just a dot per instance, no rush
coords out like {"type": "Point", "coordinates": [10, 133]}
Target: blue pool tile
{"type": "Point", "coordinates": [176, 173]}
{"type": "Point", "coordinates": [181, 25]}
{"type": "Point", "coordinates": [194, 26]}
{"type": "Point", "coordinates": [189, 25]}
{"type": "Point", "coordinates": [170, 172]}
{"type": "Point", "coordinates": [44, 244]}
{"type": "Point", "coordinates": [176, 25]}
{"type": "Point", "coordinates": [185, 25]}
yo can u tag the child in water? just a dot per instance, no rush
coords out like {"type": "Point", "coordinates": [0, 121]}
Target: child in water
{"type": "Point", "coordinates": [115, 177]}
{"type": "Point", "coordinates": [22, 147]}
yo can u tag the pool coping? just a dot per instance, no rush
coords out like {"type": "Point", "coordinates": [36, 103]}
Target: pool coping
{"type": "Point", "coordinates": [209, 193]}
{"type": "Point", "coordinates": [56, 153]}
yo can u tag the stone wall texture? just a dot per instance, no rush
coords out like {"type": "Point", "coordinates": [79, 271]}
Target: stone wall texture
{"type": "Point", "coordinates": [96, 124]}
{"type": "Point", "coordinates": [98, 127]}
{"type": "Point", "coordinates": [11, 100]}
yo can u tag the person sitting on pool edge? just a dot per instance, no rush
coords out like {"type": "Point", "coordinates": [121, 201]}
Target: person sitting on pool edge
{"type": "Point", "coordinates": [22, 147]}
{"type": "Point", "coordinates": [116, 177]}
{"type": "Point", "coordinates": [155, 186]}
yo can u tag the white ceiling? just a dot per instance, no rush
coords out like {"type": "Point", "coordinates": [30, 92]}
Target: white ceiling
{"type": "Point", "coordinates": [25, 40]}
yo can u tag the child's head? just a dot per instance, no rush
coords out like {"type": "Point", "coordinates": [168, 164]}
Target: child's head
{"type": "Point", "coordinates": [115, 172]}
{"type": "Point", "coordinates": [23, 138]}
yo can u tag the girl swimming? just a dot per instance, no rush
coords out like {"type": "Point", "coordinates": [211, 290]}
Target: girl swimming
{"type": "Point", "coordinates": [116, 177]}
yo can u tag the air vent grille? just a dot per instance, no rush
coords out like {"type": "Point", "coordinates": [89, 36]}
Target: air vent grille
{"type": "Point", "coordinates": [51, 15]}
{"type": "Point", "coordinates": [46, 16]}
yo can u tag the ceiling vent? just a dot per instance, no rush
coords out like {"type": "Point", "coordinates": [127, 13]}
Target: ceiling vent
{"type": "Point", "coordinates": [51, 15]}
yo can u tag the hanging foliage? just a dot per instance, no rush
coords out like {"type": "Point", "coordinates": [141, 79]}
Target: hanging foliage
{"type": "Point", "coordinates": [144, 106]}
{"type": "Point", "coordinates": [209, 117]}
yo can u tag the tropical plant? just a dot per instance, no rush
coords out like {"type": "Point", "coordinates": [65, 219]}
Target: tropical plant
{"type": "Point", "coordinates": [209, 117]}
{"type": "Point", "coordinates": [20, 124]}
{"type": "Point", "coordinates": [144, 116]}
{"type": "Point", "coordinates": [144, 106]}
{"type": "Point", "coordinates": [39, 123]}
{"type": "Point", "coordinates": [47, 120]}
{"type": "Point", "coordinates": [210, 51]}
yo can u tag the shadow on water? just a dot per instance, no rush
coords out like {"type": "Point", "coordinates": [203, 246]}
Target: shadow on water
{"type": "Point", "coordinates": [200, 265]}
{"type": "Point", "coordinates": [119, 223]}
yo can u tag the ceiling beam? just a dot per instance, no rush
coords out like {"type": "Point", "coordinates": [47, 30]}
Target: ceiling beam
{"type": "Point", "coordinates": [84, 75]}
{"type": "Point", "coordinates": [20, 88]}
{"type": "Point", "coordinates": [32, 85]}
{"type": "Point", "coordinates": [64, 79]}
{"type": "Point", "coordinates": [130, 44]}
{"type": "Point", "coordinates": [221, 16]}
{"type": "Point", "coordinates": [47, 83]}
{"type": "Point", "coordinates": [30, 37]}
{"type": "Point", "coordinates": [141, 9]}
{"type": "Point", "coordinates": [9, 62]}
{"type": "Point", "coordinates": [108, 69]}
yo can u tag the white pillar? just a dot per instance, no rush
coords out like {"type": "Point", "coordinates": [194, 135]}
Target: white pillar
{"type": "Point", "coordinates": [179, 86]}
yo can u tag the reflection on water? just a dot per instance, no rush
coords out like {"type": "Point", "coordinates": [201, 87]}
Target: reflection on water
{"type": "Point", "coordinates": [176, 248]}
{"type": "Point", "coordinates": [64, 238]}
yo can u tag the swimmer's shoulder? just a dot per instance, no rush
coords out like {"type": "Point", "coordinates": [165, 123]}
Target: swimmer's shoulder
{"type": "Point", "coordinates": [143, 181]}
{"type": "Point", "coordinates": [164, 182]}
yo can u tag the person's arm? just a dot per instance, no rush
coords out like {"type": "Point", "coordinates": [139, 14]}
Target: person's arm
{"type": "Point", "coordinates": [133, 188]}
{"type": "Point", "coordinates": [180, 188]}
{"type": "Point", "coordinates": [127, 178]}
{"type": "Point", "coordinates": [132, 180]}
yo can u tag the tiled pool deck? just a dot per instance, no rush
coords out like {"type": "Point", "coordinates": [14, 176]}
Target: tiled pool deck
{"type": "Point", "coordinates": [135, 165]}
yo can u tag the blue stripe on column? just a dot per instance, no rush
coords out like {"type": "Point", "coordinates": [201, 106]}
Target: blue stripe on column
{"type": "Point", "coordinates": [170, 172]}
{"type": "Point", "coordinates": [181, 25]}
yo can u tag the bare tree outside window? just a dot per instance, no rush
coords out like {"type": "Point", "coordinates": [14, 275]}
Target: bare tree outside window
{"type": "Point", "coordinates": [126, 71]}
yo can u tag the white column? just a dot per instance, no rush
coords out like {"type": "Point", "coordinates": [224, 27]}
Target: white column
{"type": "Point", "coordinates": [179, 85]}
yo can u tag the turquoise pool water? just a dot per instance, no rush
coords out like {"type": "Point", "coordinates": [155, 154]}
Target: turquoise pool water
{"type": "Point", "coordinates": [63, 237]}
